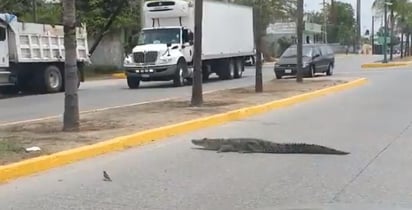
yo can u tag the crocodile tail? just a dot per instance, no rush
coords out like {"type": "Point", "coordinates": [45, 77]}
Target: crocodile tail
{"type": "Point", "coordinates": [309, 149]}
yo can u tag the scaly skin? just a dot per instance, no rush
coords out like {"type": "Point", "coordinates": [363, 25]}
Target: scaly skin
{"type": "Point", "coordinates": [251, 145]}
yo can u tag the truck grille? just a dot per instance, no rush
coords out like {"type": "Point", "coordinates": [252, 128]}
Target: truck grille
{"type": "Point", "coordinates": [148, 57]}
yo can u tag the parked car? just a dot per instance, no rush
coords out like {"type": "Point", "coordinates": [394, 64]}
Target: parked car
{"type": "Point", "coordinates": [317, 58]}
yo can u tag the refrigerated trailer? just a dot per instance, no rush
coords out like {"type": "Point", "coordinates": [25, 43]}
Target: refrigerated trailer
{"type": "Point", "coordinates": [32, 55]}
{"type": "Point", "coordinates": [165, 47]}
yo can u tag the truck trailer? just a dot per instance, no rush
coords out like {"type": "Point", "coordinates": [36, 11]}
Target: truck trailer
{"type": "Point", "coordinates": [165, 46]}
{"type": "Point", "coordinates": [32, 55]}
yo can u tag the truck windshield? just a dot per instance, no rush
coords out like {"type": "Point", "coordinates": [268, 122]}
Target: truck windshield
{"type": "Point", "coordinates": [292, 52]}
{"type": "Point", "coordinates": [159, 36]}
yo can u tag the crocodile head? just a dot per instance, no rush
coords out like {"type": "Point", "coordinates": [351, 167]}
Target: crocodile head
{"type": "Point", "coordinates": [213, 144]}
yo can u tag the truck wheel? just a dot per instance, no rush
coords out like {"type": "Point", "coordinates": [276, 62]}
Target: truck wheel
{"type": "Point", "coordinates": [50, 81]}
{"type": "Point", "coordinates": [133, 82]}
{"type": "Point", "coordinates": [205, 76]}
{"type": "Point", "coordinates": [239, 68]}
{"type": "Point", "coordinates": [229, 70]}
{"type": "Point", "coordinates": [205, 72]}
{"type": "Point", "coordinates": [179, 79]}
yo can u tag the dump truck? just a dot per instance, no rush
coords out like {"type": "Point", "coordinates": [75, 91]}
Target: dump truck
{"type": "Point", "coordinates": [32, 55]}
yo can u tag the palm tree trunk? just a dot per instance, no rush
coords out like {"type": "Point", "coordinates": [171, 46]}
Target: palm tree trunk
{"type": "Point", "coordinates": [257, 30]}
{"type": "Point", "coordinates": [402, 45]}
{"type": "Point", "coordinates": [392, 29]}
{"type": "Point", "coordinates": [197, 89]}
{"type": "Point", "coordinates": [408, 41]}
{"type": "Point", "coordinates": [71, 100]}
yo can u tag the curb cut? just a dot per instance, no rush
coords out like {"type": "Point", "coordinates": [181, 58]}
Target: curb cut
{"type": "Point", "coordinates": [119, 76]}
{"type": "Point", "coordinates": [383, 65]}
{"type": "Point", "coordinates": [42, 163]}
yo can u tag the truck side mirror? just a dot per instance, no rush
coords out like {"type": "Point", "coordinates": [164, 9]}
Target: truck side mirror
{"type": "Point", "coordinates": [191, 42]}
{"type": "Point", "coordinates": [169, 44]}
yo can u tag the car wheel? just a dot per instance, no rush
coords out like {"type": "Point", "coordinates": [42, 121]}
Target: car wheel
{"type": "Point", "coordinates": [329, 72]}
{"type": "Point", "coordinates": [312, 71]}
{"type": "Point", "coordinates": [278, 75]}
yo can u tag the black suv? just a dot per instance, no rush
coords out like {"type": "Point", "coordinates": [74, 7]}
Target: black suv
{"type": "Point", "coordinates": [317, 58]}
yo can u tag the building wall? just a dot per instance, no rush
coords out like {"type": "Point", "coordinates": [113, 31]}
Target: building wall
{"type": "Point", "coordinates": [110, 51]}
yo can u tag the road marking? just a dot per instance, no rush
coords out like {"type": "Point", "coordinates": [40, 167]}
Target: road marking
{"type": "Point", "coordinates": [99, 109]}
{"type": "Point", "coordinates": [42, 163]}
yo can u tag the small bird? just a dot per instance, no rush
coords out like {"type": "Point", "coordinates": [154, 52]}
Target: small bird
{"type": "Point", "coordinates": [106, 177]}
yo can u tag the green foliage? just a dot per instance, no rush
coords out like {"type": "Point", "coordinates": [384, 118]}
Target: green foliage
{"type": "Point", "coordinates": [23, 9]}
{"type": "Point", "coordinates": [272, 10]}
{"type": "Point", "coordinates": [283, 43]}
{"type": "Point", "coordinates": [94, 13]}
{"type": "Point", "coordinates": [340, 22]}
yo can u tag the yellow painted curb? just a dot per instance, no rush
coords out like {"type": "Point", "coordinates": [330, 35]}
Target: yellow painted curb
{"type": "Point", "coordinates": [382, 65]}
{"type": "Point", "coordinates": [31, 166]}
{"type": "Point", "coordinates": [119, 76]}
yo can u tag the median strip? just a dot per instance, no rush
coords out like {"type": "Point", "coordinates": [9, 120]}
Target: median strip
{"type": "Point", "coordinates": [148, 122]}
{"type": "Point", "coordinates": [385, 65]}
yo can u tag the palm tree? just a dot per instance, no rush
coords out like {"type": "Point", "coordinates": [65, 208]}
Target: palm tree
{"type": "Point", "coordinates": [71, 100]}
{"type": "Point", "coordinates": [399, 15]}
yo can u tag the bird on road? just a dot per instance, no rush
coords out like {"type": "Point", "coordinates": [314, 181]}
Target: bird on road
{"type": "Point", "coordinates": [106, 177]}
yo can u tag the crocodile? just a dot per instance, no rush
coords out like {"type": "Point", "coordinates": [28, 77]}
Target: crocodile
{"type": "Point", "coordinates": [252, 145]}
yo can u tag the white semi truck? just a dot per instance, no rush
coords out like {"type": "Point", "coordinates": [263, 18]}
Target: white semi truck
{"type": "Point", "coordinates": [165, 47]}
{"type": "Point", "coordinates": [32, 55]}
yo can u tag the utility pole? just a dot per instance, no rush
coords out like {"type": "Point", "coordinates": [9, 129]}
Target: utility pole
{"type": "Point", "coordinates": [197, 92]}
{"type": "Point", "coordinates": [257, 29]}
{"type": "Point", "coordinates": [392, 30]}
{"type": "Point", "coordinates": [142, 20]}
{"type": "Point", "coordinates": [358, 23]}
{"type": "Point", "coordinates": [299, 31]}
{"type": "Point", "coordinates": [34, 4]}
{"type": "Point", "coordinates": [385, 59]}
{"type": "Point", "coordinates": [325, 33]}
{"type": "Point", "coordinates": [373, 34]}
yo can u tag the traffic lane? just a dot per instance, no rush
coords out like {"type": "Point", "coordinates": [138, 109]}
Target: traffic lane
{"type": "Point", "coordinates": [108, 93]}
{"type": "Point", "coordinates": [389, 176]}
{"type": "Point", "coordinates": [172, 175]}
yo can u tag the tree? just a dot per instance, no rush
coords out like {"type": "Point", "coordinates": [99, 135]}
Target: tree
{"type": "Point", "coordinates": [197, 95]}
{"type": "Point", "coordinates": [399, 17]}
{"type": "Point", "coordinates": [341, 22]}
{"type": "Point", "coordinates": [107, 26]}
{"type": "Point", "coordinates": [299, 34]}
{"type": "Point", "coordinates": [257, 30]}
{"type": "Point", "coordinates": [71, 100]}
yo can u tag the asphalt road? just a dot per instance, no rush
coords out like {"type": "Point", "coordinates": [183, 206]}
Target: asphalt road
{"type": "Point", "coordinates": [372, 122]}
{"type": "Point", "coordinates": [108, 93]}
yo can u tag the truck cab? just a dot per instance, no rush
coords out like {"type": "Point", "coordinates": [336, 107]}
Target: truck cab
{"type": "Point", "coordinates": [165, 46]}
{"type": "Point", "coordinates": [4, 55]}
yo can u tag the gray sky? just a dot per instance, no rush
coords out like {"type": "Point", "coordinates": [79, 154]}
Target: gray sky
{"type": "Point", "coordinates": [366, 11]}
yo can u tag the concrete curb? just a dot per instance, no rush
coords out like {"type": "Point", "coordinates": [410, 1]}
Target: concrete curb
{"type": "Point", "coordinates": [384, 65]}
{"type": "Point", "coordinates": [34, 165]}
{"type": "Point", "coordinates": [119, 76]}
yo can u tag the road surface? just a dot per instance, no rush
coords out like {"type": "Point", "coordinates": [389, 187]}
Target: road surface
{"type": "Point", "coordinates": [372, 122]}
{"type": "Point", "coordinates": [108, 93]}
